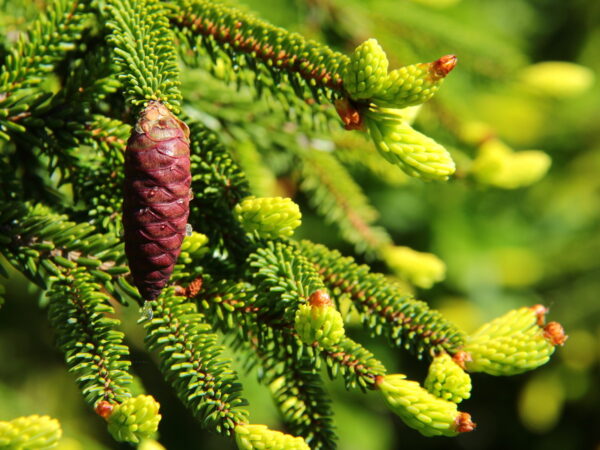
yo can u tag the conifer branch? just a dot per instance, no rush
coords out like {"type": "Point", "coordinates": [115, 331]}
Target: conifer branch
{"type": "Point", "coordinates": [301, 399]}
{"type": "Point", "coordinates": [337, 197]}
{"type": "Point", "coordinates": [51, 36]}
{"type": "Point", "coordinates": [40, 244]}
{"type": "Point", "coordinates": [94, 349]}
{"type": "Point", "coordinates": [307, 65]}
{"type": "Point", "coordinates": [190, 361]}
{"type": "Point", "coordinates": [144, 50]}
{"type": "Point", "coordinates": [284, 279]}
{"type": "Point", "coordinates": [218, 184]}
{"type": "Point", "coordinates": [383, 308]}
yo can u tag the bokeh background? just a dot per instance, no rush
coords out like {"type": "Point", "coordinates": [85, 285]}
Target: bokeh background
{"type": "Point", "coordinates": [503, 248]}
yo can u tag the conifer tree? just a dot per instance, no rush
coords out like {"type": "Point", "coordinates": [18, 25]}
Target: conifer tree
{"type": "Point", "coordinates": [77, 94]}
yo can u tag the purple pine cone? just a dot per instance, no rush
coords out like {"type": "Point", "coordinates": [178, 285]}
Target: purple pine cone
{"type": "Point", "coordinates": [157, 195]}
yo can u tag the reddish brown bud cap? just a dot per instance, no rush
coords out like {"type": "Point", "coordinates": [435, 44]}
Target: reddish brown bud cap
{"type": "Point", "coordinates": [540, 311]}
{"type": "Point", "coordinates": [443, 66]}
{"type": "Point", "coordinates": [349, 115]}
{"type": "Point", "coordinates": [319, 299]}
{"type": "Point", "coordinates": [555, 333]}
{"type": "Point", "coordinates": [463, 423]}
{"type": "Point", "coordinates": [194, 287]}
{"type": "Point", "coordinates": [104, 409]}
{"type": "Point", "coordinates": [461, 357]}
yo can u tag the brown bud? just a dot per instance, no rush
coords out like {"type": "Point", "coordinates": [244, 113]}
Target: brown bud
{"type": "Point", "coordinates": [463, 423]}
{"type": "Point", "coordinates": [540, 312]}
{"type": "Point", "coordinates": [194, 287]}
{"type": "Point", "coordinates": [104, 409]}
{"type": "Point", "coordinates": [461, 357]}
{"type": "Point", "coordinates": [555, 333]}
{"type": "Point", "coordinates": [320, 298]}
{"type": "Point", "coordinates": [443, 66]}
{"type": "Point", "coordinates": [349, 115]}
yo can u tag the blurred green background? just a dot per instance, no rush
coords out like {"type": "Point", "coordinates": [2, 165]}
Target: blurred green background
{"type": "Point", "coordinates": [503, 247]}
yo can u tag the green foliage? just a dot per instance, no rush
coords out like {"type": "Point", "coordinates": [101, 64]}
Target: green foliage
{"type": "Point", "coordinates": [269, 217]}
{"type": "Point", "coordinates": [50, 38]}
{"type": "Point", "coordinates": [309, 67]}
{"type": "Point", "coordinates": [510, 344]}
{"type": "Point", "coordinates": [384, 308]}
{"type": "Point", "coordinates": [419, 409]}
{"type": "Point", "coordinates": [144, 51]}
{"type": "Point", "coordinates": [30, 432]}
{"type": "Point", "coordinates": [335, 195]}
{"type": "Point", "coordinates": [93, 347]}
{"type": "Point", "coordinates": [447, 380]}
{"type": "Point", "coordinates": [190, 361]}
{"type": "Point", "coordinates": [135, 419]}
{"type": "Point", "coordinates": [251, 437]}
{"type": "Point", "coordinates": [418, 155]}
{"type": "Point", "coordinates": [259, 101]}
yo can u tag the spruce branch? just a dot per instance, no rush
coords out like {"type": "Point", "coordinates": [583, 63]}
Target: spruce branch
{"type": "Point", "coordinates": [301, 399]}
{"type": "Point", "coordinates": [383, 308]}
{"type": "Point", "coordinates": [336, 196]}
{"type": "Point", "coordinates": [284, 279]}
{"type": "Point", "coordinates": [239, 304]}
{"type": "Point", "coordinates": [294, 384]}
{"type": "Point", "coordinates": [239, 33]}
{"type": "Point", "coordinates": [144, 50]}
{"type": "Point", "coordinates": [218, 184]}
{"type": "Point", "coordinates": [41, 243]}
{"type": "Point", "coordinates": [94, 350]}
{"type": "Point", "coordinates": [190, 361]}
{"type": "Point", "coordinates": [50, 37]}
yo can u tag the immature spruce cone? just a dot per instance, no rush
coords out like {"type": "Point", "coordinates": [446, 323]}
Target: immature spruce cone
{"type": "Point", "coordinates": [157, 193]}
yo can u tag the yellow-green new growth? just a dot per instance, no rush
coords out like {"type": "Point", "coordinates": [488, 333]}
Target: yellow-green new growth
{"type": "Point", "coordinates": [193, 246]}
{"type": "Point", "coordinates": [135, 419]}
{"type": "Point", "coordinates": [366, 72]}
{"type": "Point", "coordinates": [511, 344]}
{"type": "Point", "coordinates": [30, 432]}
{"type": "Point", "coordinates": [150, 444]}
{"type": "Point", "coordinates": [270, 217]}
{"type": "Point", "coordinates": [414, 84]}
{"type": "Point", "coordinates": [447, 380]}
{"type": "Point", "coordinates": [419, 268]}
{"type": "Point", "coordinates": [498, 165]}
{"type": "Point", "coordinates": [319, 321]}
{"type": "Point", "coordinates": [259, 437]}
{"type": "Point", "coordinates": [421, 410]}
{"type": "Point", "coordinates": [415, 153]}
{"type": "Point", "coordinates": [558, 79]}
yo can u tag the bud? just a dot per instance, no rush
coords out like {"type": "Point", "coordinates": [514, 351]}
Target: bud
{"type": "Point", "coordinates": [270, 217]}
{"type": "Point", "coordinates": [319, 321]}
{"type": "Point", "coordinates": [421, 410]}
{"type": "Point", "coordinates": [447, 380]}
{"type": "Point", "coordinates": [150, 444]}
{"type": "Point", "coordinates": [415, 84]}
{"type": "Point", "coordinates": [419, 268]}
{"type": "Point", "coordinates": [513, 343]}
{"type": "Point", "coordinates": [415, 153]}
{"type": "Point", "coordinates": [366, 72]}
{"type": "Point", "coordinates": [259, 437]}
{"type": "Point", "coordinates": [30, 432]}
{"type": "Point", "coordinates": [498, 165]}
{"type": "Point", "coordinates": [104, 409]}
{"type": "Point", "coordinates": [558, 78]}
{"type": "Point", "coordinates": [193, 246]}
{"type": "Point", "coordinates": [135, 419]}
